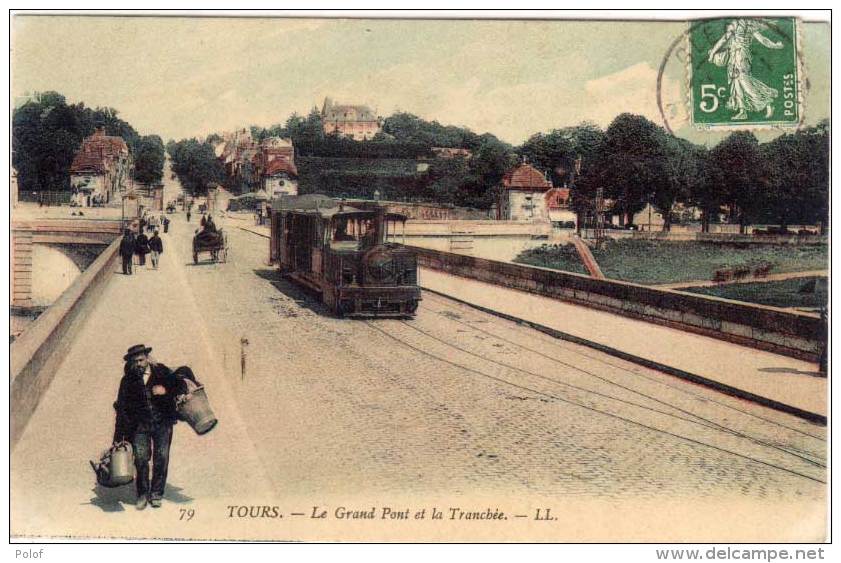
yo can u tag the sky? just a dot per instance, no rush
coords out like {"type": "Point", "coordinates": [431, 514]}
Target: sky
{"type": "Point", "coordinates": [181, 77]}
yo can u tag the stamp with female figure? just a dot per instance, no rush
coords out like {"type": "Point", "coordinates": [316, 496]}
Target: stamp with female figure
{"type": "Point", "coordinates": [744, 71]}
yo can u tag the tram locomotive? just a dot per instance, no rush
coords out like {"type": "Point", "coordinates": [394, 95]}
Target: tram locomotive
{"type": "Point", "coordinates": [344, 254]}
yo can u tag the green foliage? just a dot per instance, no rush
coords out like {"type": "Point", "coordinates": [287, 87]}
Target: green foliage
{"type": "Point", "coordinates": [798, 186]}
{"type": "Point", "coordinates": [631, 162]}
{"type": "Point", "coordinates": [741, 174]}
{"type": "Point", "coordinates": [196, 165]}
{"type": "Point", "coordinates": [46, 135]}
{"type": "Point", "coordinates": [149, 160]}
{"type": "Point", "coordinates": [809, 293]}
{"type": "Point", "coordinates": [657, 262]}
{"type": "Point", "coordinates": [408, 128]}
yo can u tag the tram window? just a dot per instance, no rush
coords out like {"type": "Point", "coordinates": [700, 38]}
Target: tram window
{"type": "Point", "coordinates": [351, 233]}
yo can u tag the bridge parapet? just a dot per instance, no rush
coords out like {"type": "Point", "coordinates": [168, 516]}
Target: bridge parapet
{"type": "Point", "coordinates": [41, 347]}
{"type": "Point", "coordinates": [799, 335]}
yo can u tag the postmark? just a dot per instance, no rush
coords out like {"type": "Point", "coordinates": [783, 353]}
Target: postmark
{"type": "Point", "coordinates": [744, 72]}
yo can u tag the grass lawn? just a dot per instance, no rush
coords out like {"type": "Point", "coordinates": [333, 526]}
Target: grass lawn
{"type": "Point", "coordinates": [784, 293]}
{"type": "Point", "coordinates": [656, 262]}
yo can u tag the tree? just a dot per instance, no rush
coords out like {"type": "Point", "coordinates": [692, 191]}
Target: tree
{"type": "Point", "coordinates": [409, 128]}
{"type": "Point", "coordinates": [553, 152]}
{"type": "Point", "coordinates": [704, 192]}
{"type": "Point", "coordinates": [629, 163]}
{"type": "Point", "coordinates": [196, 165]}
{"type": "Point", "coordinates": [149, 160]}
{"type": "Point", "coordinates": [798, 189]}
{"type": "Point", "coordinates": [739, 167]}
{"type": "Point", "coordinates": [681, 170]}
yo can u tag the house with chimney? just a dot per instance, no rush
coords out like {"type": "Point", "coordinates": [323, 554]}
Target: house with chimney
{"type": "Point", "coordinates": [101, 169]}
{"type": "Point", "coordinates": [355, 121]}
{"type": "Point", "coordinates": [523, 195]}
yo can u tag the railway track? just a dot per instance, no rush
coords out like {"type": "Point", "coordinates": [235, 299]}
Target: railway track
{"type": "Point", "coordinates": [624, 402]}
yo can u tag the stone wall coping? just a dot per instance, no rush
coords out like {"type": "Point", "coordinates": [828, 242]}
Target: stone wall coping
{"type": "Point", "coordinates": [38, 334]}
{"type": "Point", "coordinates": [759, 316]}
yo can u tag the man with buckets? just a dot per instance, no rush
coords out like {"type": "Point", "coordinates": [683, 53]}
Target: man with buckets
{"type": "Point", "coordinates": [146, 414]}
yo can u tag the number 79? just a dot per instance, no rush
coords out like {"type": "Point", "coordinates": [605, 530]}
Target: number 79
{"type": "Point", "coordinates": [186, 514]}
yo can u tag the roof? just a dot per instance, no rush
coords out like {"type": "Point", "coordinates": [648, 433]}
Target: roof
{"type": "Point", "coordinates": [525, 177]}
{"type": "Point", "coordinates": [96, 151]}
{"type": "Point", "coordinates": [348, 113]}
{"type": "Point", "coordinates": [557, 198]}
{"type": "Point", "coordinates": [280, 165]}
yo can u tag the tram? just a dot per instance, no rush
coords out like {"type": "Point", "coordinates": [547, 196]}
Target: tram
{"type": "Point", "coordinates": [343, 254]}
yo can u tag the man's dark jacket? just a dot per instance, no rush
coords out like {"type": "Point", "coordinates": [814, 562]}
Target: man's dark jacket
{"type": "Point", "coordinates": [141, 244]}
{"type": "Point", "coordinates": [156, 244]}
{"type": "Point", "coordinates": [127, 245]}
{"type": "Point", "coordinates": [137, 405]}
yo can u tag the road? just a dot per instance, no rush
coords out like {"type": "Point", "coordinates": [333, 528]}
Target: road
{"type": "Point", "coordinates": [455, 406]}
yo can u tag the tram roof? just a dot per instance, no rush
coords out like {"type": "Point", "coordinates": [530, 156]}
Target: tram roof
{"type": "Point", "coordinates": [325, 207]}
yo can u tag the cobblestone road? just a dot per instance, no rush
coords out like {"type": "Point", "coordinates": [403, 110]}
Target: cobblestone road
{"type": "Point", "coordinates": [460, 401]}
{"type": "Point", "coordinates": [454, 408]}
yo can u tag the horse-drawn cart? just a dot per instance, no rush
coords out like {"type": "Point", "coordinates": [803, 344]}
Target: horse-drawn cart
{"type": "Point", "coordinates": [214, 242]}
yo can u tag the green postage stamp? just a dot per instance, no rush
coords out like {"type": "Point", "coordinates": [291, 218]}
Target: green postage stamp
{"type": "Point", "coordinates": [744, 71]}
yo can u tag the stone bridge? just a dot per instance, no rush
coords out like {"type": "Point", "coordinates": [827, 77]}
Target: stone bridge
{"type": "Point", "coordinates": [79, 240]}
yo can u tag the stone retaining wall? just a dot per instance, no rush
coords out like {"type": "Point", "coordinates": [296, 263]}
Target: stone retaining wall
{"type": "Point", "coordinates": [794, 334]}
{"type": "Point", "coordinates": [39, 350]}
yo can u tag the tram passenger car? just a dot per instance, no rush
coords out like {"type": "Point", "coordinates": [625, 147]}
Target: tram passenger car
{"type": "Point", "coordinates": [343, 253]}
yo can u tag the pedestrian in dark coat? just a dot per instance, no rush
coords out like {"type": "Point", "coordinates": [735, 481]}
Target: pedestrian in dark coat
{"type": "Point", "coordinates": [141, 247]}
{"type": "Point", "coordinates": [156, 246]}
{"type": "Point", "coordinates": [166, 224]}
{"type": "Point", "coordinates": [146, 413]}
{"type": "Point", "coordinates": [127, 251]}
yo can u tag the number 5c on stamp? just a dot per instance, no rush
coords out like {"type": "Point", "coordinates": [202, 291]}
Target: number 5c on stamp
{"type": "Point", "coordinates": [744, 72]}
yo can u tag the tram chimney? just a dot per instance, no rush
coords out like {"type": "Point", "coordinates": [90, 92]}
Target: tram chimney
{"type": "Point", "coordinates": [379, 221]}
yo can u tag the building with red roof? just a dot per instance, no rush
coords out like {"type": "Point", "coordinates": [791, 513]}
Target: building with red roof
{"type": "Point", "coordinates": [100, 169]}
{"type": "Point", "coordinates": [523, 195]}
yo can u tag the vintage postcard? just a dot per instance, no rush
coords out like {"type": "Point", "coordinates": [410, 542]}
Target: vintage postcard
{"type": "Point", "coordinates": [360, 279]}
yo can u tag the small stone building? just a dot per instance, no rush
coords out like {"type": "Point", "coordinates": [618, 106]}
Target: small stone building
{"type": "Point", "coordinates": [523, 195]}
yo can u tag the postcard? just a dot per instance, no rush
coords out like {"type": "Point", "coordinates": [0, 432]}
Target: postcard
{"type": "Point", "coordinates": [361, 279]}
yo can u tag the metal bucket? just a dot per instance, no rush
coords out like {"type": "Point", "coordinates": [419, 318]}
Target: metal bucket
{"type": "Point", "coordinates": [122, 465]}
{"type": "Point", "coordinates": [195, 410]}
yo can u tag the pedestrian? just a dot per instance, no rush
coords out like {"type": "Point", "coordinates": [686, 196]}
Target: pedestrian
{"type": "Point", "coordinates": [188, 215]}
{"type": "Point", "coordinates": [156, 246]}
{"type": "Point", "coordinates": [166, 224]}
{"type": "Point", "coordinates": [127, 251]}
{"type": "Point", "coordinates": [145, 416]}
{"type": "Point", "coordinates": [141, 248]}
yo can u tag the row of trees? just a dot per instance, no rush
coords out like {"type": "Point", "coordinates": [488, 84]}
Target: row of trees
{"type": "Point", "coordinates": [47, 132]}
{"type": "Point", "coordinates": [634, 162]}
